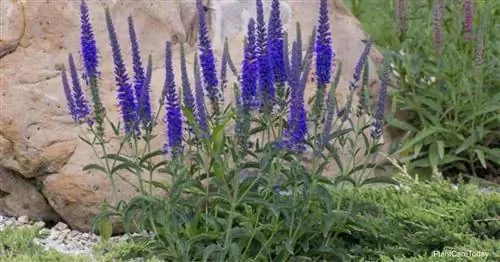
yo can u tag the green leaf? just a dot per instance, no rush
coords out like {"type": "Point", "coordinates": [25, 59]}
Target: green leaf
{"type": "Point", "coordinates": [392, 121]}
{"type": "Point", "coordinates": [128, 166]}
{"type": "Point", "coordinates": [470, 141]}
{"type": "Point", "coordinates": [440, 145]}
{"type": "Point", "coordinates": [433, 155]}
{"type": "Point", "coordinates": [85, 140]}
{"type": "Point", "coordinates": [117, 157]}
{"type": "Point", "coordinates": [482, 159]}
{"type": "Point", "coordinates": [379, 180]}
{"type": "Point", "coordinates": [160, 185]}
{"type": "Point", "coordinates": [105, 226]}
{"type": "Point", "coordinates": [418, 138]}
{"type": "Point", "coordinates": [96, 167]}
{"type": "Point", "coordinates": [150, 155]}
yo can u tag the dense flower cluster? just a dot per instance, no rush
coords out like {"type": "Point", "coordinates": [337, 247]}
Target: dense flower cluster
{"type": "Point", "coordinates": [468, 19]}
{"type": "Point", "coordinates": [173, 116]}
{"type": "Point", "coordinates": [266, 66]}
{"type": "Point", "coordinates": [376, 131]}
{"type": "Point", "coordinates": [207, 59]}
{"type": "Point", "coordinates": [275, 43]}
{"type": "Point", "coordinates": [81, 109]}
{"type": "Point", "coordinates": [124, 88]}
{"type": "Point", "coordinates": [250, 71]}
{"type": "Point", "coordinates": [201, 111]}
{"type": "Point", "coordinates": [88, 44]}
{"type": "Point", "coordinates": [140, 88]}
{"type": "Point", "coordinates": [324, 51]}
{"type": "Point", "coordinates": [266, 74]}
{"type": "Point", "coordinates": [438, 24]}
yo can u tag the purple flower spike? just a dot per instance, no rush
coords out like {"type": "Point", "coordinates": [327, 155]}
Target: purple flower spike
{"type": "Point", "coordinates": [250, 71]}
{"type": "Point", "coordinates": [266, 76]}
{"type": "Point", "coordinates": [88, 44]}
{"type": "Point", "coordinates": [376, 129]}
{"type": "Point", "coordinates": [358, 69]}
{"type": "Point", "coordinates": [173, 116]}
{"type": "Point", "coordinates": [297, 119]}
{"type": "Point", "coordinates": [275, 43]}
{"type": "Point", "coordinates": [468, 19]}
{"type": "Point", "coordinates": [207, 59]}
{"type": "Point", "coordinates": [200, 100]}
{"type": "Point", "coordinates": [69, 95]}
{"type": "Point", "coordinates": [81, 106]}
{"type": "Point", "coordinates": [143, 107]}
{"type": "Point", "coordinates": [324, 52]}
{"type": "Point", "coordinates": [438, 20]}
{"type": "Point", "coordinates": [401, 15]}
{"type": "Point", "coordinates": [124, 88]}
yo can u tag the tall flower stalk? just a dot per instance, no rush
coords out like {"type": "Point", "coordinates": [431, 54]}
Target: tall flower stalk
{"type": "Point", "coordinates": [468, 20]}
{"type": "Point", "coordinates": [201, 111]}
{"type": "Point", "coordinates": [207, 60]}
{"type": "Point", "coordinates": [438, 27]}
{"type": "Point", "coordinates": [187, 93]}
{"type": "Point", "coordinates": [91, 62]}
{"type": "Point", "coordinates": [377, 125]}
{"type": "Point", "coordinates": [124, 88]}
{"type": "Point", "coordinates": [173, 116]}
{"type": "Point", "coordinates": [266, 74]}
{"type": "Point", "coordinates": [69, 95]}
{"type": "Point", "coordinates": [275, 44]}
{"type": "Point", "coordinates": [143, 103]}
{"type": "Point", "coordinates": [81, 109]}
{"type": "Point", "coordinates": [247, 101]}
{"type": "Point", "coordinates": [324, 56]}
{"type": "Point", "coordinates": [401, 14]}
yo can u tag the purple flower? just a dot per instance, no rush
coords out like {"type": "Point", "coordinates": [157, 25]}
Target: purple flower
{"type": "Point", "coordinates": [438, 20]}
{"type": "Point", "coordinates": [250, 71]}
{"type": "Point", "coordinates": [297, 121]}
{"type": "Point", "coordinates": [91, 62]}
{"type": "Point", "coordinates": [88, 44]}
{"type": "Point", "coordinates": [125, 92]}
{"type": "Point", "coordinates": [266, 77]}
{"type": "Point", "coordinates": [143, 105]}
{"type": "Point", "coordinates": [173, 116]}
{"type": "Point", "coordinates": [200, 100]}
{"type": "Point", "coordinates": [376, 129]}
{"type": "Point", "coordinates": [275, 43]}
{"type": "Point", "coordinates": [324, 51]}
{"type": "Point", "coordinates": [81, 107]}
{"type": "Point", "coordinates": [401, 15]}
{"type": "Point", "coordinates": [358, 69]}
{"type": "Point", "coordinates": [468, 19]}
{"type": "Point", "coordinates": [207, 59]}
{"type": "Point", "coordinates": [69, 95]}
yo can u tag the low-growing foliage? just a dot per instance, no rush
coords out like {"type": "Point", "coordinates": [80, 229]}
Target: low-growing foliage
{"type": "Point", "coordinates": [445, 64]}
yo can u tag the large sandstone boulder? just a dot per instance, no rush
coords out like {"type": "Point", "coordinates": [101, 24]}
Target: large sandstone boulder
{"type": "Point", "coordinates": [39, 142]}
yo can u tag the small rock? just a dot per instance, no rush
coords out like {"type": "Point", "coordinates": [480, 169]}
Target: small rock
{"type": "Point", "coordinates": [60, 226]}
{"type": "Point", "coordinates": [23, 220]}
{"type": "Point", "coordinates": [39, 224]}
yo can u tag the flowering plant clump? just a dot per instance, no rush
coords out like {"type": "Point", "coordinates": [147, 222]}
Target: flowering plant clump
{"type": "Point", "coordinates": [444, 64]}
{"type": "Point", "coordinates": [237, 195]}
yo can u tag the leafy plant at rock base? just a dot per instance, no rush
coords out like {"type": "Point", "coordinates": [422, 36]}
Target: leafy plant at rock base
{"type": "Point", "coordinates": [451, 95]}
